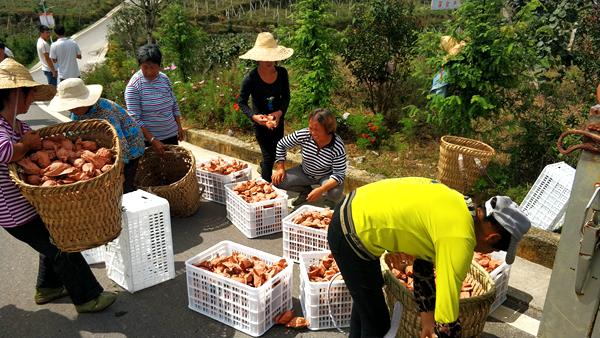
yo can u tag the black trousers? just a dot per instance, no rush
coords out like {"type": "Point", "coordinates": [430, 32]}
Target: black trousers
{"type": "Point", "coordinates": [370, 316]}
{"type": "Point", "coordinates": [58, 268]}
{"type": "Point", "coordinates": [267, 140]}
{"type": "Point", "coordinates": [173, 140]}
{"type": "Point", "coordinates": [129, 171]}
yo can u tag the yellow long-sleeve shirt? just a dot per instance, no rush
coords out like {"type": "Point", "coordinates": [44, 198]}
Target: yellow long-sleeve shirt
{"type": "Point", "coordinates": [425, 219]}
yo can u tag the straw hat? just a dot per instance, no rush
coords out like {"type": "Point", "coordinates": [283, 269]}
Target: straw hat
{"type": "Point", "coordinates": [73, 93]}
{"type": "Point", "coordinates": [451, 46]}
{"type": "Point", "coordinates": [266, 49]}
{"type": "Point", "coordinates": [15, 75]}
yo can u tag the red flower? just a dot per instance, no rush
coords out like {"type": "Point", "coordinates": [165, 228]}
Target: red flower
{"type": "Point", "coordinates": [236, 107]}
{"type": "Point", "coordinates": [373, 128]}
{"type": "Point", "coordinates": [363, 135]}
{"type": "Point", "coordinates": [236, 96]}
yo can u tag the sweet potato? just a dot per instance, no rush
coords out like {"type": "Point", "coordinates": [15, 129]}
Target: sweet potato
{"type": "Point", "coordinates": [49, 183]}
{"type": "Point", "coordinates": [297, 323]}
{"type": "Point", "coordinates": [220, 166]}
{"type": "Point", "coordinates": [29, 167]}
{"type": "Point", "coordinates": [57, 169]}
{"type": "Point", "coordinates": [285, 317]}
{"type": "Point", "coordinates": [78, 163]}
{"type": "Point", "coordinates": [33, 179]}
{"type": "Point", "coordinates": [85, 145]}
{"type": "Point", "coordinates": [91, 157]}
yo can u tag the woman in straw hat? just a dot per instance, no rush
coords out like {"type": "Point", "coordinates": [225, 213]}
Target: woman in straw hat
{"type": "Point", "coordinates": [60, 273]}
{"type": "Point", "coordinates": [269, 87]}
{"type": "Point", "coordinates": [452, 48]}
{"type": "Point", "coordinates": [85, 103]}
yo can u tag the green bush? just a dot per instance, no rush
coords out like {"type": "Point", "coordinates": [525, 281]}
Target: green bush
{"type": "Point", "coordinates": [369, 130]}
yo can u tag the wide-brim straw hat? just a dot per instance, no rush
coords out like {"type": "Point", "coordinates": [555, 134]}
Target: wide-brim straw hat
{"type": "Point", "coordinates": [451, 46]}
{"type": "Point", "coordinates": [15, 75]}
{"type": "Point", "coordinates": [266, 49]}
{"type": "Point", "coordinates": [73, 93]}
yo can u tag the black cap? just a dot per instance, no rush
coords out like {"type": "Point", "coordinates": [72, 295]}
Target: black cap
{"type": "Point", "coordinates": [44, 28]}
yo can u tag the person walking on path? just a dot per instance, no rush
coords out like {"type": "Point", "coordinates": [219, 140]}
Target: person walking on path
{"type": "Point", "coordinates": [430, 221]}
{"type": "Point", "coordinates": [151, 102]}
{"type": "Point", "coordinates": [60, 273]}
{"type": "Point", "coordinates": [43, 50]}
{"type": "Point", "coordinates": [85, 103]}
{"type": "Point", "coordinates": [269, 86]}
{"type": "Point", "coordinates": [324, 161]}
{"type": "Point", "coordinates": [64, 53]}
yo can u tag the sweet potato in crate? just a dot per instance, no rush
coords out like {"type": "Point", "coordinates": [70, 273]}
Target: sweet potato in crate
{"type": "Point", "coordinates": [299, 238]}
{"type": "Point", "coordinates": [214, 174]}
{"type": "Point", "coordinates": [314, 297]}
{"type": "Point", "coordinates": [500, 273]}
{"type": "Point", "coordinates": [249, 309]}
{"type": "Point", "coordinates": [256, 219]}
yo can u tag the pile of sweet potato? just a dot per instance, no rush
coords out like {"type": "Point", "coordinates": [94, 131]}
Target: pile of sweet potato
{"type": "Point", "coordinates": [253, 191]}
{"type": "Point", "coordinates": [486, 261]}
{"type": "Point", "coordinates": [287, 318]}
{"type": "Point", "coordinates": [314, 219]}
{"type": "Point", "coordinates": [60, 161]}
{"type": "Point", "coordinates": [324, 271]}
{"type": "Point", "coordinates": [221, 166]}
{"type": "Point", "coordinates": [251, 271]}
{"type": "Point", "coordinates": [401, 266]}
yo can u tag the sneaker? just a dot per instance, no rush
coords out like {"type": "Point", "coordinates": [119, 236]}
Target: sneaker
{"type": "Point", "coordinates": [104, 300]}
{"type": "Point", "coordinates": [300, 199]}
{"type": "Point", "coordinates": [46, 295]}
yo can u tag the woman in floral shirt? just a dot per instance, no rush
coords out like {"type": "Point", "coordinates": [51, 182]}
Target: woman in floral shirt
{"type": "Point", "coordinates": [84, 102]}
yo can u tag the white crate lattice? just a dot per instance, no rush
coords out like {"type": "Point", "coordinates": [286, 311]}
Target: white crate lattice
{"type": "Point", "coordinates": [256, 219]}
{"type": "Point", "coordinates": [500, 276]}
{"type": "Point", "coordinates": [299, 238]}
{"type": "Point", "coordinates": [94, 255]}
{"type": "Point", "coordinates": [314, 297]}
{"type": "Point", "coordinates": [546, 201]}
{"type": "Point", "coordinates": [243, 307]}
{"type": "Point", "coordinates": [214, 183]}
{"type": "Point", "coordinates": [142, 255]}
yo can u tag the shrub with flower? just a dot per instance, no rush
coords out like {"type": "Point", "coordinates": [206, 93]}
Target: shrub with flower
{"type": "Point", "coordinates": [369, 130]}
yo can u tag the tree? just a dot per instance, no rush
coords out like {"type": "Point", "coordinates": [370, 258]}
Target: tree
{"type": "Point", "coordinates": [126, 29]}
{"type": "Point", "coordinates": [378, 49]}
{"type": "Point", "coordinates": [313, 57]}
{"type": "Point", "coordinates": [151, 10]}
{"type": "Point", "coordinates": [181, 40]}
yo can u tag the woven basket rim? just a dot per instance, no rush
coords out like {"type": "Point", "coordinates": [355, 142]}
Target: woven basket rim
{"type": "Point", "coordinates": [486, 149]}
{"type": "Point", "coordinates": [14, 168]}
{"type": "Point", "coordinates": [192, 167]}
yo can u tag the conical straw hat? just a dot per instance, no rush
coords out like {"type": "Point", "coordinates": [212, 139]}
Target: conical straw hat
{"type": "Point", "coordinates": [15, 75]}
{"type": "Point", "coordinates": [266, 49]}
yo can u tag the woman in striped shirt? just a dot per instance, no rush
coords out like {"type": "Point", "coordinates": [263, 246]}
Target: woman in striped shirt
{"type": "Point", "coordinates": [324, 161]}
{"type": "Point", "coordinates": [150, 101]}
{"type": "Point", "coordinates": [60, 273]}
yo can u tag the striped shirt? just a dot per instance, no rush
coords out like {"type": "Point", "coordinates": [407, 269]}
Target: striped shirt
{"type": "Point", "coordinates": [329, 160]}
{"type": "Point", "coordinates": [152, 104]}
{"type": "Point", "coordinates": [14, 208]}
{"type": "Point", "coordinates": [130, 134]}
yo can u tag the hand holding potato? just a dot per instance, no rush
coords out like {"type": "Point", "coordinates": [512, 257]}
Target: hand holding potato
{"type": "Point", "coordinates": [315, 194]}
{"type": "Point", "coordinates": [32, 140]}
{"type": "Point", "coordinates": [278, 176]}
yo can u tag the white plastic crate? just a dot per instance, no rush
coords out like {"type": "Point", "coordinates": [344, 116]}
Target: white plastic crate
{"type": "Point", "coordinates": [299, 238]}
{"type": "Point", "coordinates": [142, 255]}
{"type": "Point", "coordinates": [500, 275]}
{"type": "Point", "coordinates": [243, 307]}
{"type": "Point", "coordinates": [94, 255]}
{"type": "Point", "coordinates": [256, 219]}
{"type": "Point", "coordinates": [546, 202]}
{"type": "Point", "coordinates": [314, 298]}
{"type": "Point", "coordinates": [214, 184]}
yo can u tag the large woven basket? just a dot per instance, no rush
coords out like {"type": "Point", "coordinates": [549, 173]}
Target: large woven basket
{"type": "Point", "coordinates": [473, 310]}
{"type": "Point", "coordinates": [171, 176]}
{"type": "Point", "coordinates": [462, 161]}
{"type": "Point", "coordinates": [86, 214]}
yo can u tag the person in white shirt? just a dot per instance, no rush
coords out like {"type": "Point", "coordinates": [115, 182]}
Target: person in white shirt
{"type": "Point", "coordinates": [43, 50]}
{"type": "Point", "coordinates": [65, 52]}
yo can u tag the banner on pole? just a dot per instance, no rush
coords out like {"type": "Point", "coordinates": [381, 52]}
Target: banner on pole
{"type": "Point", "coordinates": [47, 19]}
{"type": "Point", "coordinates": [444, 4]}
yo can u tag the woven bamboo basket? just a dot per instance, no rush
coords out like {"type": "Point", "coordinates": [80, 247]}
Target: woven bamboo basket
{"type": "Point", "coordinates": [462, 161]}
{"type": "Point", "coordinates": [86, 214]}
{"type": "Point", "coordinates": [473, 310]}
{"type": "Point", "coordinates": [171, 176]}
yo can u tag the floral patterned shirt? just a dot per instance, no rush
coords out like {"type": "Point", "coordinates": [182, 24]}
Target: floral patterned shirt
{"type": "Point", "coordinates": [130, 134]}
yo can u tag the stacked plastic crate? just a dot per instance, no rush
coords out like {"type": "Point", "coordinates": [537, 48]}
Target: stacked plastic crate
{"type": "Point", "coordinates": [298, 238]}
{"type": "Point", "coordinates": [142, 255]}
{"type": "Point", "coordinates": [214, 183]}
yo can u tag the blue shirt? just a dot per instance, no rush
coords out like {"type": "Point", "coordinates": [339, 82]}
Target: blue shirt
{"type": "Point", "coordinates": [130, 134]}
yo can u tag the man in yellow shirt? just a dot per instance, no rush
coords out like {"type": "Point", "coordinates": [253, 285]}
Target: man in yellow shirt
{"type": "Point", "coordinates": [430, 221]}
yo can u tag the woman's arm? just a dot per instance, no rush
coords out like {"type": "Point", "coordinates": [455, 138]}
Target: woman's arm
{"type": "Point", "coordinates": [285, 99]}
{"type": "Point", "coordinates": [245, 96]}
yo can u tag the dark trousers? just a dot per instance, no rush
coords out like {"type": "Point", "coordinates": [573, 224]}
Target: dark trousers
{"type": "Point", "coordinates": [173, 140]}
{"type": "Point", "coordinates": [267, 140]}
{"type": "Point", "coordinates": [129, 171]}
{"type": "Point", "coordinates": [58, 268]}
{"type": "Point", "coordinates": [51, 78]}
{"type": "Point", "coordinates": [370, 316]}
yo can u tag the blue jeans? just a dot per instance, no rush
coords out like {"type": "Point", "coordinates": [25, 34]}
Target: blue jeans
{"type": "Point", "coordinates": [51, 79]}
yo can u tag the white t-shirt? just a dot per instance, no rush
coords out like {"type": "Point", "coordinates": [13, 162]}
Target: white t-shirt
{"type": "Point", "coordinates": [65, 52]}
{"type": "Point", "coordinates": [42, 48]}
{"type": "Point", "coordinates": [8, 52]}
